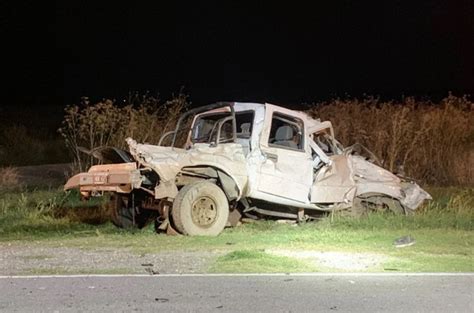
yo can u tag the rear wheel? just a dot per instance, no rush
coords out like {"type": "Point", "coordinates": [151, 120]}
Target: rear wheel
{"type": "Point", "coordinates": [124, 215]}
{"type": "Point", "coordinates": [200, 209]}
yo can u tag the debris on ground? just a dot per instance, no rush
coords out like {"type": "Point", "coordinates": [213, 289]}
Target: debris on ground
{"type": "Point", "coordinates": [404, 241]}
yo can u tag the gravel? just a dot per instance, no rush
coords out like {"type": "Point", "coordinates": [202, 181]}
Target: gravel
{"type": "Point", "coordinates": [24, 259]}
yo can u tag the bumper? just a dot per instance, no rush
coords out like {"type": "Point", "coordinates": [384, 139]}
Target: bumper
{"type": "Point", "coordinates": [122, 177]}
{"type": "Point", "coordinates": [414, 195]}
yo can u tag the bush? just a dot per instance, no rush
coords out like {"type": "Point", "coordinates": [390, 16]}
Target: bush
{"type": "Point", "coordinates": [431, 142]}
{"type": "Point", "coordinates": [106, 123]}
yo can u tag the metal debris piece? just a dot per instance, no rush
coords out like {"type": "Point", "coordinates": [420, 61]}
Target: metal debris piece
{"type": "Point", "coordinates": [404, 241]}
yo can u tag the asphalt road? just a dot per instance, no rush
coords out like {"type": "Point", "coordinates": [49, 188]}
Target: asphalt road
{"type": "Point", "coordinates": [284, 293]}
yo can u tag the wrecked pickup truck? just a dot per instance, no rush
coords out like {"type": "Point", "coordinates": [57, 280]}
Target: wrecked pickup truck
{"type": "Point", "coordinates": [242, 160]}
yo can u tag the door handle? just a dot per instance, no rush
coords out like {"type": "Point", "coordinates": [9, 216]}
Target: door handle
{"type": "Point", "coordinates": [273, 157]}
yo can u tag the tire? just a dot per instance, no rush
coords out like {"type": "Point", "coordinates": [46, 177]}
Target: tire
{"type": "Point", "coordinates": [367, 203]}
{"type": "Point", "coordinates": [200, 209]}
{"type": "Point", "coordinates": [122, 215]}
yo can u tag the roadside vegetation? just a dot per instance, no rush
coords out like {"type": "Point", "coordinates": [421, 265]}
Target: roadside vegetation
{"type": "Point", "coordinates": [143, 117]}
{"type": "Point", "coordinates": [431, 142]}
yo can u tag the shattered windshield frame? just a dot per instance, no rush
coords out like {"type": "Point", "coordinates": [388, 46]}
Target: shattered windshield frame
{"type": "Point", "coordinates": [192, 113]}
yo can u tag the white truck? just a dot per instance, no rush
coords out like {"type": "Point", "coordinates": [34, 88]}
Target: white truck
{"type": "Point", "coordinates": [242, 160]}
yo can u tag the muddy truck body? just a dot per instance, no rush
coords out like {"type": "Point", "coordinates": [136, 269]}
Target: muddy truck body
{"type": "Point", "coordinates": [242, 160]}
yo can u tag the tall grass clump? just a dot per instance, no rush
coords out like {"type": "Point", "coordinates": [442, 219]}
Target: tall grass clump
{"type": "Point", "coordinates": [431, 142]}
{"type": "Point", "coordinates": [23, 210]}
{"type": "Point", "coordinates": [107, 123]}
{"type": "Point", "coordinates": [46, 212]}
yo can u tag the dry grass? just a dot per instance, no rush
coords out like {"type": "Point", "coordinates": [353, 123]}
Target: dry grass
{"type": "Point", "coordinates": [106, 123]}
{"type": "Point", "coordinates": [431, 142]}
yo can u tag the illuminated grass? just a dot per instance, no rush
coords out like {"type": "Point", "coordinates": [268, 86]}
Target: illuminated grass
{"type": "Point", "coordinates": [254, 261]}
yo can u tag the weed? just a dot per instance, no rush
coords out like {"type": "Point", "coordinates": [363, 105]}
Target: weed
{"type": "Point", "coordinates": [106, 123]}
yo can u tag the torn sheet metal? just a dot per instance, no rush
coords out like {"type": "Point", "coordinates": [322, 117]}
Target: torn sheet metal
{"type": "Point", "coordinates": [334, 183]}
{"type": "Point", "coordinates": [414, 195]}
{"type": "Point", "coordinates": [168, 162]}
{"type": "Point", "coordinates": [371, 178]}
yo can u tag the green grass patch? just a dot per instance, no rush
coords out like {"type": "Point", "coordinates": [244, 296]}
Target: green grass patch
{"type": "Point", "coordinates": [255, 261]}
{"type": "Point", "coordinates": [425, 262]}
{"type": "Point", "coordinates": [47, 213]}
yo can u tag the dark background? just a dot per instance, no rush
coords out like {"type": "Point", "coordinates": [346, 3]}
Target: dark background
{"type": "Point", "coordinates": [287, 53]}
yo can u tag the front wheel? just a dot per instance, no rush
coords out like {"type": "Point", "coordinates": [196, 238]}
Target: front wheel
{"type": "Point", "coordinates": [371, 203]}
{"type": "Point", "coordinates": [200, 209]}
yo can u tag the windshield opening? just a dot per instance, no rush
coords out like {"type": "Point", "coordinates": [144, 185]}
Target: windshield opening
{"type": "Point", "coordinates": [206, 128]}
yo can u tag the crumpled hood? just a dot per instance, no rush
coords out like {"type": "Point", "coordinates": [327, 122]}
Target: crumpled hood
{"type": "Point", "coordinates": [371, 178]}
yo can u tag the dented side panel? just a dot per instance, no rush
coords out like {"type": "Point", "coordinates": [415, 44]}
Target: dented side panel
{"type": "Point", "coordinates": [371, 178]}
{"type": "Point", "coordinates": [334, 183]}
{"type": "Point", "coordinates": [168, 162]}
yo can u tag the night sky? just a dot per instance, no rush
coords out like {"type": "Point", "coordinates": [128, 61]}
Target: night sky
{"type": "Point", "coordinates": [281, 53]}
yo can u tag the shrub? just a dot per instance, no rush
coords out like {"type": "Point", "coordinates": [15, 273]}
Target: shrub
{"type": "Point", "coordinates": [106, 123]}
{"type": "Point", "coordinates": [432, 142]}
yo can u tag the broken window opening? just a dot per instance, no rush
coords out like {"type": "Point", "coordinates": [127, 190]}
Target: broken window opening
{"type": "Point", "coordinates": [286, 132]}
{"type": "Point", "coordinates": [244, 121]}
{"type": "Point", "coordinates": [207, 127]}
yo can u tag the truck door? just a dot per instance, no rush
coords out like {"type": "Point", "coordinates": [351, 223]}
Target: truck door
{"type": "Point", "coordinates": [286, 170]}
{"type": "Point", "coordinates": [333, 181]}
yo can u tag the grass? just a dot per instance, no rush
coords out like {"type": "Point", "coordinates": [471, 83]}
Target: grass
{"type": "Point", "coordinates": [45, 213]}
{"type": "Point", "coordinates": [443, 231]}
{"type": "Point", "coordinates": [255, 261]}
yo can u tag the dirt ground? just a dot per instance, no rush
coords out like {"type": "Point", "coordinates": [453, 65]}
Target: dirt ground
{"type": "Point", "coordinates": [30, 259]}
{"type": "Point", "coordinates": [25, 259]}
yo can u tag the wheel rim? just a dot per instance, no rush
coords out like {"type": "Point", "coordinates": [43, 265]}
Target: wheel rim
{"type": "Point", "coordinates": [204, 212]}
{"type": "Point", "coordinates": [376, 205]}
